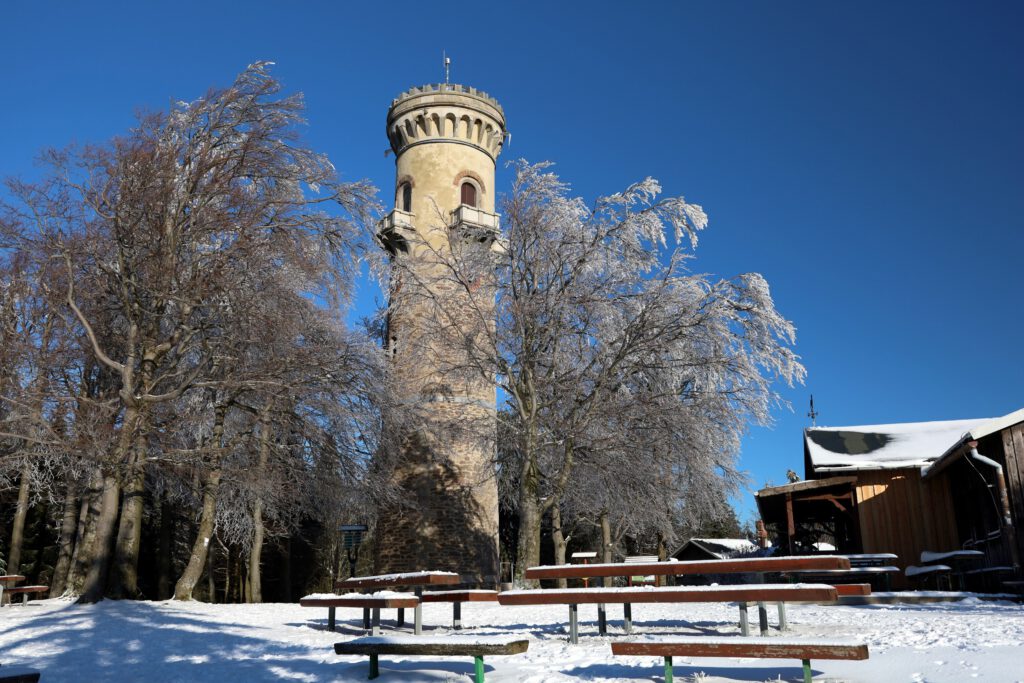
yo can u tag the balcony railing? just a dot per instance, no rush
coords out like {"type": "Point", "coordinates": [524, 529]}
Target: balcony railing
{"type": "Point", "coordinates": [394, 231]}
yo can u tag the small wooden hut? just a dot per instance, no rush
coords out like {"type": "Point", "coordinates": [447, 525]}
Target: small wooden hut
{"type": "Point", "coordinates": [907, 488]}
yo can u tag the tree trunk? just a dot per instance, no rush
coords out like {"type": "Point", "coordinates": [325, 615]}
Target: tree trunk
{"type": "Point", "coordinates": [166, 549]}
{"type": "Point", "coordinates": [129, 533]}
{"type": "Point", "coordinates": [20, 514]}
{"type": "Point", "coordinates": [66, 541]}
{"type": "Point", "coordinates": [256, 552]}
{"type": "Point", "coordinates": [102, 546]}
{"type": "Point", "coordinates": [528, 545]}
{"type": "Point", "coordinates": [201, 546]}
{"type": "Point", "coordinates": [85, 534]}
{"type": "Point", "coordinates": [606, 537]}
{"type": "Point", "coordinates": [286, 571]}
{"type": "Point", "coordinates": [558, 538]}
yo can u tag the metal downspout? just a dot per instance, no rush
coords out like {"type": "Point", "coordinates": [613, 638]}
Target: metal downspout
{"type": "Point", "coordinates": [1004, 501]}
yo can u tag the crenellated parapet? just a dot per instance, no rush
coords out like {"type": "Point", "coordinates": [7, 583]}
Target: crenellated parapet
{"type": "Point", "coordinates": [449, 113]}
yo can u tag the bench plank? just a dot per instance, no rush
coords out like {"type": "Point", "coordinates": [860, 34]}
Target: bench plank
{"type": "Point", "coordinates": [460, 596]}
{"type": "Point", "coordinates": [364, 601]}
{"type": "Point", "coordinates": [768, 648]}
{"type": "Point", "coordinates": [450, 645]}
{"type": "Point", "coordinates": [739, 593]}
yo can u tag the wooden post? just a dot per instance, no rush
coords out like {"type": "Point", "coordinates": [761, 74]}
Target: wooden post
{"type": "Point", "coordinates": [790, 523]}
{"type": "Point", "coordinates": [627, 617]}
{"type": "Point", "coordinates": [744, 622]}
{"type": "Point", "coordinates": [783, 623]}
{"type": "Point", "coordinates": [401, 617]}
{"type": "Point", "coordinates": [762, 617]}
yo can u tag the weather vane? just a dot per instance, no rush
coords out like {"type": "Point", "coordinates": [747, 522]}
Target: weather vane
{"type": "Point", "coordinates": [813, 414]}
{"type": "Point", "coordinates": [447, 65]}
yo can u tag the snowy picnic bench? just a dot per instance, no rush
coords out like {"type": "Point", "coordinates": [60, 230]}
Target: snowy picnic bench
{"type": "Point", "coordinates": [414, 580]}
{"type": "Point", "coordinates": [744, 565]}
{"type": "Point", "coordinates": [25, 591]}
{"type": "Point", "coordinates": [741, 594]}
{"type": "Point", "coordinates": [448, 646]}
{"type": "Point", "coordinates": [369, 603]}
{"type": "Point", "coordinates": [883, 573]}
{"type": "Point", "coordinates": [774, 648]}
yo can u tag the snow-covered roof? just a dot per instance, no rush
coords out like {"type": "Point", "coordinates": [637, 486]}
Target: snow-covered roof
{"type": "Point", "coordinates": [723, 548]}
{"type": "Point", "coordinates": [889, 446]}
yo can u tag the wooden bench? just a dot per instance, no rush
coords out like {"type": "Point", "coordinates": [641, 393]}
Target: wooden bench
{"type": "Point", "coordinates": [368, 603]}
{"type": "Point", "coordinates": [646, 579]}
{"type": "Point", "coordinates": [449, 646]}
{"type": "Point", "coordinates": [458, 597]}
{"type": "Point", "coordinates": [936, 572]}
{"type": "Point", "coordinates": [768, 648]}
{"type": "Point", "coordinates": [415, 580]}
{"type": "Point", "coordinates": [18, 674]}
{"type": "Point", "coordinates": [742, 594]}
{"type": "Point", "coordinates": [884, 573]}
{"type": "Point", "coordinates": [25, 591]}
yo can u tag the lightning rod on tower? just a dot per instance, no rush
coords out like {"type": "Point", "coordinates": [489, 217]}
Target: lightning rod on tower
{"type": "Point", "coordinates": [447, 66]}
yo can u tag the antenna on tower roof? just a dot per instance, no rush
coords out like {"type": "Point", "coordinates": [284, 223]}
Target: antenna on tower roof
{"type": "Point", "coordinates": [447, 66]}
{"type": "Point", "coordinates": [813, 414]}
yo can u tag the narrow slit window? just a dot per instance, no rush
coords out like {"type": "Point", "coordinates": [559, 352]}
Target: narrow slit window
{"type": "Point", "coordinates": [469, 194]}
{"type": "Point", "coordinates": [406, 198]}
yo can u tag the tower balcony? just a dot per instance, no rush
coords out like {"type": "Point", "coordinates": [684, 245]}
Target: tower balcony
{"type": "Point", "coordinates": [395, 231]}
{"type": "Point", "coordinates": [479, 226]}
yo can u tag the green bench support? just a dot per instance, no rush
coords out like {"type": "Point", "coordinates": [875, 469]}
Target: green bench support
{"type": "Point", "coordinates": [476, 648]}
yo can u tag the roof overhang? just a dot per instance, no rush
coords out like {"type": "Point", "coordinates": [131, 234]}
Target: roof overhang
{"type": "Point", "coordinates": [988, 428]}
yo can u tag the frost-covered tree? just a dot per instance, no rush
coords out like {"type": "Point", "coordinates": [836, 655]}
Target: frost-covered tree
{"type": "Point", "coordinates": [606, 343]}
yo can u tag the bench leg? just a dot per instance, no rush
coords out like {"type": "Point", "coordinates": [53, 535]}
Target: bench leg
{"type": "Point", "coordinates": [478, 669]}
{"type": "Point", "coordinates": [762, 617]}
{"type": "Point", "coordinates": [744, 622]}
{"type": "Point", "coordinates": [401, 617]}
{"type": "Point", "coordinates": [602, 619]}
{"type": "Point", "coordinates": [783, 622]}
{"type": "Point", "coordinates": [330, 619]}
{"type": "Point", "coordinates": [417, 613]}
{"type": "Point", "coordinates": [374, 668]}
{"type": "Point", "coordinates": [366, 618]}
{"type": "Point", "coordinates": [375, 623]}
{"type": "Point", "coordinates": [807, 670]}
{"type": "Point", "coordinates": [456, 615]}
{"type": "Point", "coordinates": [668, 670]}
{"type": "Point", "coordinates": [574, 626]}
{"type": "Point", "coordinates": [627, 617]}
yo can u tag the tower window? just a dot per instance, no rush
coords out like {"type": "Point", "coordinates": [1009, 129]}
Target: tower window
{"type": "Point", "coordinates": [469, 194]}
{"type": "Point", "coordinates": [405, 197]}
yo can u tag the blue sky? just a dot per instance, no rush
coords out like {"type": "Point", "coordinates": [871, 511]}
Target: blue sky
{"type": "Point", "coordinates": [867, 157]}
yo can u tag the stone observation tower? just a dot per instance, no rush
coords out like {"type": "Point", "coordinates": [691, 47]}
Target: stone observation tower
{"type": "Point", "coordinates": [443, 235]}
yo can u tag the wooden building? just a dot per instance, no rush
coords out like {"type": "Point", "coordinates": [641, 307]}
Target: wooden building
{"type": "Point", "coordinates": [907, 488]}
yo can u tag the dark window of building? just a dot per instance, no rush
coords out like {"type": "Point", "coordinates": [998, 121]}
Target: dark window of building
{"type": "Point", "coordinates": [406, 195]}
{"type": "Point", "coordinates": [469, 194]}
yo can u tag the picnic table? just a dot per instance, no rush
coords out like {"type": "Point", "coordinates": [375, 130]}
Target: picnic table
{"type": "Point", "coordinates": [414, 580]}
{"type": "Point", "coordinates": [743, 565]}
{"type": "Point", "coordinates": [742, 594]}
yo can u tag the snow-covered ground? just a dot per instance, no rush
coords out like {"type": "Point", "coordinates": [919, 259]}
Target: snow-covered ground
{"type": "Point", "coordinates": [167, 641]}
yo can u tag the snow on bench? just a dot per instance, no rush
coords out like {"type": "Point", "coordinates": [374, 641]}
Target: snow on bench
{"type": "Point", "coordinates": [927, 570]}
{"type": "Point", "coordinates": [679, 568]}
{"type": "Point", "coordinates": [414, 580]}
{"type": "Point", "coordinates": [742, 594]}
{"type": "Point", "coordinates": [475, 647]}
{"type": "Point", "coordinates": [927, 556]}
{"type": "Point", "coordinates": [774, 648]}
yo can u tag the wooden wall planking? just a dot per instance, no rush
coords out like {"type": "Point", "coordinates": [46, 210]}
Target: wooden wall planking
{"type": "Point", "coordinates": [1013, 453]}
{"type": "Point", "coordinates": [903, 514]}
